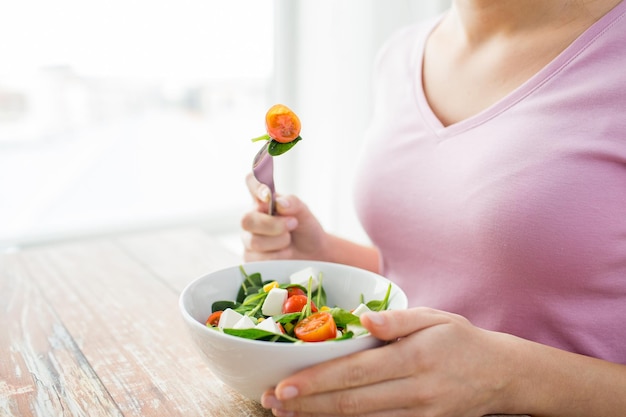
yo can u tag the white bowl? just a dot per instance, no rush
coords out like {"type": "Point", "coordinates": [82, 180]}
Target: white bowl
{"type": "Point", "coordinates": [251, 366]}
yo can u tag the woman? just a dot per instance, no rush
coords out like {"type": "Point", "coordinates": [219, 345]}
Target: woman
{"type": "Point", "coordinates": [501, 215]}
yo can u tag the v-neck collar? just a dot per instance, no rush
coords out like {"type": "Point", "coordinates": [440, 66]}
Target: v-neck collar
{"type": "Point", "coordinates": [549, 71]}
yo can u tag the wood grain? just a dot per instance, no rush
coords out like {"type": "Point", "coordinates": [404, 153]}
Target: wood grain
{"type": "Point", "coordinates": [109, 318]}
{"type": "Point", "coordinates": [42, 371]}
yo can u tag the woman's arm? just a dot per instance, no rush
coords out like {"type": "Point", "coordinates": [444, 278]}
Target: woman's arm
{"type": "Point", "coordinates": [350, 253]}
{"type": "Point", "coordinates": [553, 382]}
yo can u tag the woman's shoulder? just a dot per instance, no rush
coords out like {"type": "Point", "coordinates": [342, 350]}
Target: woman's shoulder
{"type": "Point", "coordinates": [403, 47]}
{"type": "Point", "coordinates": [408, 37]}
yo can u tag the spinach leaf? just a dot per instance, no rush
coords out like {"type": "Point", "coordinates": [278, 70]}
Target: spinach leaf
{"type": "Point", "coordinates": [344, 336]}
{"type": "Point", "coordinates": [287, 286]}
{"type": "Point", "coordinates": [223, 305]}
{"type": "Point", "coordinates": [380, 305]}
{"type": "Point", "coordinates": [252, 304]}
{"type": "Point", "coordinates": [343, 317]}
{"type": "Point", "coordinates": [250, 285]}
{"type": "Point", "coordinates": [258, 334]}
{"type": "Point", "coordinates": [254, 299]}
{"type": "Point", "coordinates": [319, 295]}
{"type": "Point", "coordinates": [276, 148]}
{"type": "Point", "coordinates": [286, 318]}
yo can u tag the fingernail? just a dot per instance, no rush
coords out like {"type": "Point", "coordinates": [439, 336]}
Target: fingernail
{"type": "Point", "coordinates": [269, 401]}
{"type": "Point", "coordinates": [283, 202]}
{"type": "Point", "coordinates": [375, 318]}
{"type": "Point", "coordinates": [287, 392]}
{"type": "Point", "coordinates": [264, 194]}
{"type": "Point", "coordinates": [291, 223]}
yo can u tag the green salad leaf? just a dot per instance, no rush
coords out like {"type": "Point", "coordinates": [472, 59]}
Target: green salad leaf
{"type": "Point", "coordinates": [250, 285]}
{"type": "Point", "coordinates": [258, 334]}
{"type": "Point", "coordinates": [277, 148]}
{"type": "Point", "coordinates": [343, 317]}
{"type": "Point", "coordinates": [223, 305]}
{"type": "Point", "coordinates": [319, 295]}
{"type": "Point", "coordinates": [380, 305]}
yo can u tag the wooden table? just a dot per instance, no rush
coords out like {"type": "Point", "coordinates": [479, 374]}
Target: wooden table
{"type": "Point", "coordinates": [92, 328]}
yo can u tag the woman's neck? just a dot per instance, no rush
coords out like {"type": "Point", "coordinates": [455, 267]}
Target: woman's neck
{"type": "Point", "coordinates": [478, 20]}
{"type": "Point", "coordinates": [485, 49]}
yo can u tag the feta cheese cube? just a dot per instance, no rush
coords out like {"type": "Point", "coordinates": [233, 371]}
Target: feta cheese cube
{"type": "Point", "coordinates": [269, 325]}
{"type": "Point", "coordinates": [274, 301]}
{"type": "Point", "coordinates": [245, 322]}
{"type": "Point", "coordinates": [362, 308]}
{"type": "Point", "coordinates": [357, 329]}
{"type": "Point", "coordinates": [228, 319]}
{"type": "Point", "coordinates": [302, 278]}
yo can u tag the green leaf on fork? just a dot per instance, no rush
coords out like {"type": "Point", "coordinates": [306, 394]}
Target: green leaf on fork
{"type": "Point", "coordinates": [276, 148]}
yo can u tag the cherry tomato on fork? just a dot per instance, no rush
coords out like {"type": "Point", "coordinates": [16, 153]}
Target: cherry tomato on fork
{"type": "Point", "coordinates": [282, 124]}
{"type": "Point", "coordinates": [316, 328]}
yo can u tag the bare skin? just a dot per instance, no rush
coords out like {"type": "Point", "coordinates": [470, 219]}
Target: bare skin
{"type": "Point", "coordinates": [492, 47]}
{"type": "Point", "coordinates": [438, 363]}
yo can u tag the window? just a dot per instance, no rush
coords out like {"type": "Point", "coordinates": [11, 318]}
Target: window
{"type": "Point", "coordinates": [337, 43]}
{"type": "Point", "coordinates": [127, 113]}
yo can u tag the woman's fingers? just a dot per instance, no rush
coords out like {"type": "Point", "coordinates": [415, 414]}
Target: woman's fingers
{"type": "Point", "coordinates": [263, 224]}
{"type": "Point", "coordinates": [353, 384]}
{"type": "Point", "coordinates": [371, 400]}
{"type": "Point", "coordinates": [260, 193]}
{"type": "Point", "coordinates": [360, 369]}
{"type": "Point", "coordinates": [393, 324]}
{"type": "Point", "coordinates": [254, 187]}
{"type": "Point", "coordinates": [293, 232]}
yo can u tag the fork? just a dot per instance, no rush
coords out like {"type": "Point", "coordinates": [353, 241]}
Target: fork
{"type": "Point", "coordinates": [263, 170]}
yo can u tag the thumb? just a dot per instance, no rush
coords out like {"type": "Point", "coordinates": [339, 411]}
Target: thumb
{"type": "Point", "coordinates": [289, 205]}
{"type": "Point", "coordinates": [393, 324]}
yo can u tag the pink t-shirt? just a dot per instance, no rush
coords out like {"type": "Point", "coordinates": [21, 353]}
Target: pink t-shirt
{"type": "Point", "coordinates": [516, 217]}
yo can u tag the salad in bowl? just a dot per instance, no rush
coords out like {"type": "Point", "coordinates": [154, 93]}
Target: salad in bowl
{"type": "Point", "coordinates": [252, 344]}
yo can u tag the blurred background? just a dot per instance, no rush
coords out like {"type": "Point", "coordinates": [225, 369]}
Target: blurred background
{"type": "Point", "coordinates": [135, 114]}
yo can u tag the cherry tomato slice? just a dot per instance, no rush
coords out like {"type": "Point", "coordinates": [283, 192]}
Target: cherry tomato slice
{"type": "Point", "coordinates": [296, 303]}
{"type": "Point", "coordinates": [282, 124]}
{"type": "Point", "coordinates": [316, 328]}
{"type": "Point", "coordinates": [214, 319]}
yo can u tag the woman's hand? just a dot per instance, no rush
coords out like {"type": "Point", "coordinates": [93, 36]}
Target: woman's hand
{"type": "Point", "coordinates": [439, 364]}
{"type": "Point", "coordinates": [293, 233]}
